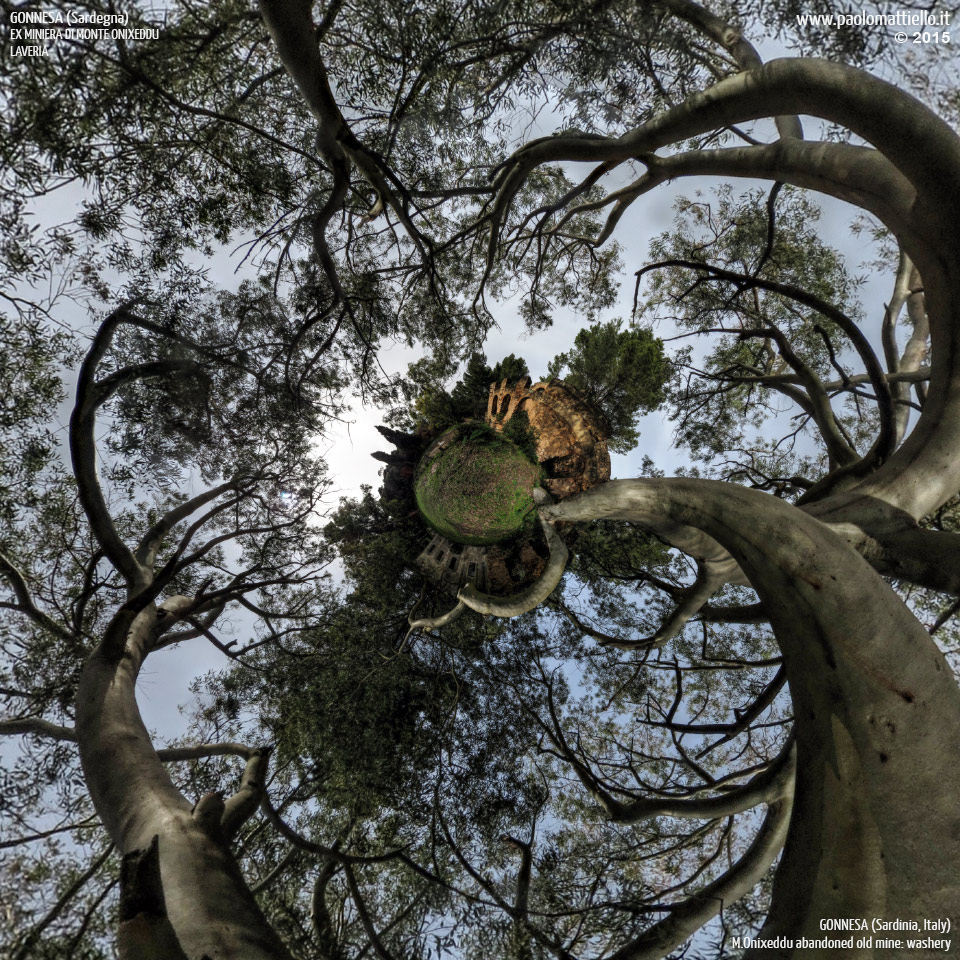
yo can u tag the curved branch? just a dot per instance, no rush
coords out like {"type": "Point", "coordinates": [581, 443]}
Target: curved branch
{"type": "Point", "coordinates": [744, 53]}
{"type": "Point", "coordinates": [876, 110]}
{"type": "Point", "coordinates": [687, 917]}
{"type": "Point", "coordinates": [891, 313]}
{"type": "Point", "coordinates": [604, 639]}
{"type": "Point", "coordinates": [887, 438]}
{"type": "Point", "coordinates": [774, 783]}
{"type": "Point", "coordinates": [146, 551]}
{"type": "Point", "coordinates": [889, 118]}
{"type": "Point", "coordinates": [364, 914]}
{"type": "Point", "coordinates": [901, 182]}
{"type": "Point", "coordinates": [290, 24]}
{"type": "Point", "coordinates": [317, 849]}
{"type": "Point", "coordinates": [320, 915]}
{"type": "Point", "coordinates": [433, 623]}
{"type": "Point", "coordinates": [862, 707]}
{"type": "Point", "coordinates": [906, 292]}
{"type": "Point", "coordinates": [26, 604]}
{"type": "Point", "coordinates": [244, 803]}
{"type": "Point", "coordinates": [746, 717]}
{"type": "Point", "coordinates": [83, 453]}
{"type": "Point", "coordinates": [857, 175]}
{"type": "Point", "coordinates": [711, 576]}
{"type": "Point", "coordinates": [535, 594]}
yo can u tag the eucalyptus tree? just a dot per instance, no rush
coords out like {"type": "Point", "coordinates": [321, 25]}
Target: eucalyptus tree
{"type": "Point", "coordinates": [186, 397]}
{"type": "Point", "coordinates": [372, 158]}
{"type": "Point", "coordinates": [860, 702]}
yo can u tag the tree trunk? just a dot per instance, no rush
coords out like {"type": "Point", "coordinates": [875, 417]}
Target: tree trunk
{"type": "Point", "coordinates": [874, 831]}
{"type": "Point", "coordinates": [183, 890]}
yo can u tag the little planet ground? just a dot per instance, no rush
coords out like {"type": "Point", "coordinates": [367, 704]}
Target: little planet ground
{"type": "Point", "coordinates": [475, 486]}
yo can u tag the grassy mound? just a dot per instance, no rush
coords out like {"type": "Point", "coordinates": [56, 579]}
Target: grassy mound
{"type": "Point", "coordinates": [475, 486]}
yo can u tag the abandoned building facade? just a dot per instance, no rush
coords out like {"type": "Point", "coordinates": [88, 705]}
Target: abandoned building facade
{"type": "Point", "coordinates": [572, 451]}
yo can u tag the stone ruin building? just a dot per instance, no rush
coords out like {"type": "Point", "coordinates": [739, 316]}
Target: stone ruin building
{"type": "Point", "coordinates": [571, 436]}
{"type": "Point", "coordinates": [572, 451]}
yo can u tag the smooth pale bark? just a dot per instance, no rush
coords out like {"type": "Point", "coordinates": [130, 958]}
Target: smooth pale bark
{"type": "Point", "coordinates": [873, 698]}
{"type": "Point", "coordinates": [930, 558]}
{"type": "Point", "coordinates": [744, 53]}
{"type": "Point", "coordinates": [291, 27]}
{"type": "Point", "coordinates": [924, 473]}
{"type": "Point", "coordinates": [875, 704]}
{"type": "Point", "coordinates": [774, 783]}
{"type": "Point", "coordinates": [711, 576]}
{"type": "Point", "coordinates": [905, 291]}
{"type": "Point", "coordinates": [519, 603]}
{"type": "Point", "coordinates": [908, 181]}
{"type": "Point", "coordinates": [887, 538]}
{"type": "Point", "coordinates": [434, 623]}
{"type": "Point", "coordinates": [690, 915]}
{"type": "Point", "coordinates": [205, 900]}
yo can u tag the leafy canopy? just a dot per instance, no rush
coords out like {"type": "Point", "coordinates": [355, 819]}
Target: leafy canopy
{"type": "Point", "coordinates": [621, 371]}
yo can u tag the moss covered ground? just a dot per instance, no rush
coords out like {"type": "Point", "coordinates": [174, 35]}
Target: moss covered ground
{"type": "Point", "coordinates": [475, 486]}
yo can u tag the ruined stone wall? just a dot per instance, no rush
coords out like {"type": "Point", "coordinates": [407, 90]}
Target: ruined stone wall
{"type": "Point", "coordinates": [571, 444]}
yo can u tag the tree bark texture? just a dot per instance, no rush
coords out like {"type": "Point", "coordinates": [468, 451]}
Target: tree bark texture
{"type": "Point", "coordinates": [190, 887]}
{"type": "Point", "coordinates": [875, 703]}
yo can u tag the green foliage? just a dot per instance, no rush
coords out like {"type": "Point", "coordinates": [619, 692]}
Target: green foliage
{"type": "Point", "coordinates": [511, 368]}
{"type": "Point", "coordinates": [621, 372]}
{"type": "Point", "coordinates": [434, 746]}
{"type": "Point", "coordinates": [468, 399]}
{"type": "Point", "coordinates": [376, 542]}
{"type": "Point", "coordinates": [721, 402]}
{"type": "Point", "coordinates": [610, 550]}
{"type": "Point", "coordinates": [368, 719]}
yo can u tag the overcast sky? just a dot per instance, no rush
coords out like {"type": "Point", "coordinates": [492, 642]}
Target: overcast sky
{"type": "Point", "coordinates": [347, 446]}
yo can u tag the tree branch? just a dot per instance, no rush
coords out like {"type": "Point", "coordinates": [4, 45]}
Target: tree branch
{"type": "Point", "coordinates": [244, 803]}
{"type": "Point", "coordinates": [146, 552]}
{"type": "Point", "coordinates": [27, 605]}
{"type": "Point", "coordinates": [364, 914]}
{"type": "Point", "coordinates": [688, 916]}
{"type": "Point", "coordinates": [534, 595]}
{"type": "Point", "coordinates": [731, 38]}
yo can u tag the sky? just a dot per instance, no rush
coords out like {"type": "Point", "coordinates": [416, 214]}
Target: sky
{"type": "Point", "coordinates": [347, 446]}
{"type": "Point", "coordinates": [163, 688]}
{"type": "Point", "coordinates": [164, 685]}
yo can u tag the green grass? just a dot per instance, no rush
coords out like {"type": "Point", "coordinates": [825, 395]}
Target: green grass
{"type": "Point", "coordinates": [477, 490]}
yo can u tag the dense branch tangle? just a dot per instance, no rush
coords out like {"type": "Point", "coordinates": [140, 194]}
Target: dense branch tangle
{"type": "Point", "coordinates": [866, 498]}
{"type": "Point", "coordinates": [872, 698]}
{"type": "Point", "coordinates": [243, 540]}
{"type": "Point", "coordinates": [888, 181]}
